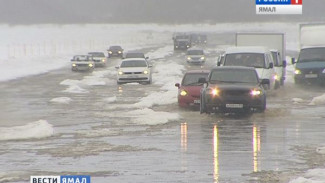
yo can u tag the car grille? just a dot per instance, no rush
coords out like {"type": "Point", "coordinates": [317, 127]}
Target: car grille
{"type": "Point", "coordinates": [132, 72]}
{"type": "Point", "coordinates": [132, 79]}
{"type": "Point", "coordinates": [311, 71]}
{"type": "Point", "coordinates": [234, 93]}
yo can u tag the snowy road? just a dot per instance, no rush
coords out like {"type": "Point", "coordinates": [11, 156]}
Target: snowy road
{"type": "Point", "coordinates": [64, 122]}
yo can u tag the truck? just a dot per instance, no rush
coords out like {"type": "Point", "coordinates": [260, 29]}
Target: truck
{"type": "Point", "coordinates": [310, 65]}
{"type": "Point", "coordinates": [275, 42]}
{"type": "Point", "coordinates": [182, 41]}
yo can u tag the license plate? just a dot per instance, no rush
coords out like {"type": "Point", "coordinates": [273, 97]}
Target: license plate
{"type": "Point", "coordinates": [196, 101]}
{"type": "Point", "coordinates": [311, 76]}
{"type": "Point", "coordinates": [235, 106]}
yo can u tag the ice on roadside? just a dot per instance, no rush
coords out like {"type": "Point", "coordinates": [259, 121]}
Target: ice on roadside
{"type": "Point", "coordinates": [320, 100]}
{"type": "Point", "coordinates": [34, 130]}
{"type": "Point", "coordinates": [150, 117]}
{"type": "Point", "coordinates": [110, 99]}
{"type": "Point", "coordinates": [61, 100]}
{"type": "Point", "coordinates": [75, 89]}
{"type": "Point", "coordinates": [297, 100]}
{"type": "Point", "coordinates": [311, 176]}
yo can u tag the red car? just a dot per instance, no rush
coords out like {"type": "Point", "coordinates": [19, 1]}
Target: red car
{"type": "Point", "coordinates": [189, 90]}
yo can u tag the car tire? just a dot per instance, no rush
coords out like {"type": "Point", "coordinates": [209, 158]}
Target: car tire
{"type": "Point", "coordinates": [277, 85]}
{"type": "Point", "coordinates": [263, 107]}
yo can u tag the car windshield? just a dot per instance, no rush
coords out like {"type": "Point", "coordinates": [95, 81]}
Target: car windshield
{"type": "Point", "coordinates": [233, 76]}
{"type": "Point", "coordinates": [134, 55]}
{"type": "Point", "coordinates": [134, 63]}
{"type": "Point", "coordinates": [97, 54]}
{"type": "Point", "coordinates": [312, 55]}
{"type": "Point", "coordinates": [81, 58]}
{"type": "Point", "coordinates": [245, 59]}
{"type": "Point", "coordinates": [191, 79]}
{"type": "Point", "coordinates": [182, 37]}
{"type": "Point", "coordinates": [115, 48]}
{"type": "Point", "coordinates": [195, 52]}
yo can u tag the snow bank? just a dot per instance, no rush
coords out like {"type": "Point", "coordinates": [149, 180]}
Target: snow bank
{"type": "Point", "coordinates": [311, 176]}
{"type": "Point", "coordinates": [320, 100]}
{"type": "Point", "coordinates": [61, 100]}
{"type": "Point", "coordinates": [110, 99]}
{"type": "Point", "coordinates": [150, 117]}
{"type": "Point", "coordinates": [34, 130]}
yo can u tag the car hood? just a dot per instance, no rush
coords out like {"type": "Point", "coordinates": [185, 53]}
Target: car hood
{"type": "Point", "coordinates": [310, 65]}
{"type": "Point", "coordinates": [133, 69]}
{"type": "Point", "coordinates": [193, 90]}
{"type": "Point", "coordinates": [235, 86]}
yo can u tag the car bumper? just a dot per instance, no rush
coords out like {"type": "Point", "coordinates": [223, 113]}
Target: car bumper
{"type": "Point", "coordinates": [100, 64]}
{"type": "Point", "coordinates": [82, 68]}
{"type": "Point", "coordinates": [115, 54]}
{"type": "Point", "coordinates": [233, 104]}
{"type": "Point", "coordinates": [309, 78]}
{"type": "Point", "coordinates": [188, 101]}
{"type": "Point", "coordinates": [133, 78]}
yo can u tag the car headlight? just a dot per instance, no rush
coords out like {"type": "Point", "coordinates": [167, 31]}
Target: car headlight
{"type": "Point", "coordinates": [119, 52]}
{"type": "Point", "coordinates": [120, 73]}
{"type": "Point", "coordinates": [276, 77]}
{"type": "Point", "coordinates": [183, 93]}
{"type": "Point", "coordinates": [74, 65]}
{"type": "Point", "coordinates": [188, 46]}
{"type": "Point", "coordinates": [214, 92]}
{"type": "Point", "coordinates": [90, 65]}
{"type": "Point", "coordinates": [202, 58]}
{"type": "Point", "coordinates": [297, 71]}
{"type": "Point", "coordinates": [189, 58]}
{"type": "Point", "coordinates": [110, 52]}
{"type": "Point", "coordinates": [256, 92]}
{"type": "Point", "coordinates": [103, 60]}
{"type": "Point", "coordinates": [145, 72]}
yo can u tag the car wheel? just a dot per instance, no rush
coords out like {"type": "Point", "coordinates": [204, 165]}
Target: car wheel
{"type": "Point", "coordinates": [263, 107]}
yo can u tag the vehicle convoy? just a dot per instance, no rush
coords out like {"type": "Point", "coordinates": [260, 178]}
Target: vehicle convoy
{"type": "Point", "coordinates": [182, 41]}
{"type": "Point", "coordinates": [275, 42]}
{"type": "Point", "coordinates": [198, 39]}
{"type": "Point", "coordinates": [134, 70]}
{"type": "Point", "coordinates": [195, 56]}
{"type": "Point", "coordinates": [258, 57]}
{"type": "Point", "coordinates": [115, 51]}
{"type": "Point", "coordinates": [82, 63]}
{"type": "Point", "coordinates": [233, 89]}
{"type": "Point", "coordinates": [99, 58]}
{"type": "Point", "coordinates": [190, 88]}
{"type": "Point", "coordinates": [310, 66]}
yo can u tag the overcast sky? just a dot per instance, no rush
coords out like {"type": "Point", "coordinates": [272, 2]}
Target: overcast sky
{"type": "Point", "coordinates": [145, 11]}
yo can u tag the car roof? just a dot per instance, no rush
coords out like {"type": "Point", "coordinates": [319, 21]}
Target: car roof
{"type": "Point", "coordinates": [197, 71]}
{"type": "Point", "coordinates": [247, 49]}
{"type": "Point", "coordinates": [115, 46]}
{"type": "Point", "coordinates": [308, 47]}
{"type": "Point", "coordinates": [134, 59]}
{"type": "Point", "coordinates": [234, 68]}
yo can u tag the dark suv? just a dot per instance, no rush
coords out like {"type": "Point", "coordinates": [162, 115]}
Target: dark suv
{"type": "Point", "coordinates": [115, 51]}
{"type": "Point", "coordinates": [232, 89]}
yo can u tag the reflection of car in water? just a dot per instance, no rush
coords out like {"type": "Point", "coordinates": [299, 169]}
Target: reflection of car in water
{"type": "Point", "coordinates": [115, 51]}
{"type": "Point", "coordinates": [99, 58]}
{"type": "Point", "coordinates": [233, 89]}
{"type": "Point", "coordinates": [189, 89]}
{"type": "Point", "coordinates": [82, 63]}
{"type": "Point", "coordinates": [134, 70]}
{"type": "Point", "coordinates": [195, 56]}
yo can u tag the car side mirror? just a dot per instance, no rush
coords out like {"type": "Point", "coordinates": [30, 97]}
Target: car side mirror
{"type": "Point", "coordinates": [149, 65]}
{"type": "Point", "coordinates": [147, 58]}
{"type": "Point", "coordinates": [284, 64]}
{"type": "Point", "coordinates": [271, 65]}
{"type": "Point", "coordinates": [117, 67]}
{"type": "Point", "coordinates": [218, 63]}
{"type": "Point", "coordinates": [293, 60]}
{"type": "Point", "coordinates": [202, 80]}
{"type": "Point", "coordinates": [177, 85]}
{"type": "Point", "coordinates": [265, 82]}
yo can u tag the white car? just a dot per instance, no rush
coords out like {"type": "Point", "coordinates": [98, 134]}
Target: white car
{"type": "Point", "coordinates": [82, 63]}
{"type": "Point", "coordinates": [195, 56]}
{"type": "Point", "coordinates": [134, 70]}
{"type": "Point", "coordinates": [258, 57]}
{"type": "Point", "coordinates": [99, 58]}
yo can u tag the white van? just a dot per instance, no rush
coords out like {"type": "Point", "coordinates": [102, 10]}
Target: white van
{"type": "Point", "coordinates": [258, 57]}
